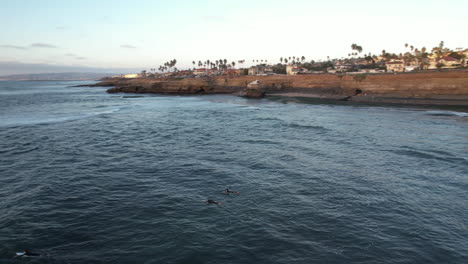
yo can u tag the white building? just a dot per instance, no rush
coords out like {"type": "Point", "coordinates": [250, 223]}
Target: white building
{"type": "Point", "coordinates": [293, 69]}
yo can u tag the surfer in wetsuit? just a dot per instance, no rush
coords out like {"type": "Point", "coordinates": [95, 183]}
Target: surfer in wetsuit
{"type": "Point", "coordinates": [213, 202]}
{"type": "Point", "coordinates": [27, 253]}
{"type": "Point", "coordinates": [227, 191]}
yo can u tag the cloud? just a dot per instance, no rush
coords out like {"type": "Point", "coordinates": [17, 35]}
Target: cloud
{"type": "Point", "coordinates": [12, 47]}
{"type": "Point", "coordinates": [15, 67]}
{"type": "Point", "coordinates": [70, 55]}
{"type": "Point", "coordinates": [43, 45]}
{"type": "Point", "coordinates": [128, 46]}
{"type": "Point", "coordinates": [60, 28]}
{"type": "Point", "coordinates": [81, 58]}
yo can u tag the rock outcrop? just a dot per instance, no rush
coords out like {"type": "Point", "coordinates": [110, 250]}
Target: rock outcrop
{"type": "Point", "coordinates": [254, 89]}
{"type": "Point", "coordinates": [108, 82]}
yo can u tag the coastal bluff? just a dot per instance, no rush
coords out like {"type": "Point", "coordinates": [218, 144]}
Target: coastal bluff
{"type": "Point", "coordinates": [422, 87]}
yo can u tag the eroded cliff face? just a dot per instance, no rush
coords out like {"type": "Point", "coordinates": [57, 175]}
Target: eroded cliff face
{"type": "Point", "coordinates": [431, 85]}
{"type": "Point", "coordinates": [412, 85]}
{"type": "Point", "coordinates": [183, 86]}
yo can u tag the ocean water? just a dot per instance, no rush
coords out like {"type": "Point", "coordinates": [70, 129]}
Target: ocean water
{"type": "Point", "coordinates": [91, 177]}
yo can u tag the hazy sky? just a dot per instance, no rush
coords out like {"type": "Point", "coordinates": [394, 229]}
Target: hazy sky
{"type": "Point", "coordinates": [144, 34]}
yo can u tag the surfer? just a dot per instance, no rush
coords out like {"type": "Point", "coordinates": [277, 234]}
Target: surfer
{"type": "Point", "coordinates": [27, 253]}
{"type": "Point", "coordinates": [227, 191]}
{"type": "Point", "coordinates": [213, 202]}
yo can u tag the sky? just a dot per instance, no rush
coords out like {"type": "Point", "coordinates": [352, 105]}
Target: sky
{"type": "Point", "coordinates": [125, 36]}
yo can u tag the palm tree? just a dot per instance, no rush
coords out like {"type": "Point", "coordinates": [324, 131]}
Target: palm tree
{"type": "Point", "coordinates": [281, 59]}
{"type": "Point", "coordinates": [411, 47]}
{"type": "Point", "coordinates": [233, 64]}
{"type": "Point", "coordinates": [193, 62]}
{"type": "Point", "coordinates": [303, 58]}
{"type": "Point", "coordinates": [406, 45]}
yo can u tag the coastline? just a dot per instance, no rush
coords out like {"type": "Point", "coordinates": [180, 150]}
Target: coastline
{"type": "Point", "coordinates": [423, 88]}
{"type": "Point", "coordinates": [454, 101]}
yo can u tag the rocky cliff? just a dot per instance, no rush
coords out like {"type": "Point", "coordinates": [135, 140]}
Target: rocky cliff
{"type": "Point", "coordinates": [439, 87]}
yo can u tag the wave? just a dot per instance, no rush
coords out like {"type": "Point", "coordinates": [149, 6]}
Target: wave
{"type": "Point", "coordinates": [296, 125]}
{"type": "Point", "coordinates": [446, 113]}
{"type": "Point", "coordinates": [267, 119]}
{"type": "Point", "coordinates": [260, 141]}
{"type": "Point", "coordinates": [281, 122]}
{"type": "Point", "coordinates": [52, 120]}
{"type": "Point", "coordinates": [132, 96]}
{"type": "Point", "coordinates": [429, 154]}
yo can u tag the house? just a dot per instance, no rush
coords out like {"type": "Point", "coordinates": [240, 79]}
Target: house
{"type": "Point", "coordinates": [370, 71]}
{"type": "Point", "coordinates": [204, 72]}
{"type": "Point", "coordinates": [344, 67]}
{"type": "Point", "coordinates": [395, 66]}
{"type": "Point", "coordinates": [293, 69]}
{"type": "Point", "coordinates": [199, 72]}
{"type": "Point", "coordinates": [410, 68]}
{"type": "Point", "coordinates": [183, 73]}
{"type": "Point", "coordinates": [449, 62]}
{"type": "Point", "coordinates": [341, 66]}
{"type": "Point", "coordinates": [362, 62]}
{"type": "Point", "coordinates": [234, 72]}
{"type": "Point", "coordinates": [424, 63]}
{"type": "Point", "coordinates": [165, 75]}
{"type": "Point", "coordinates": [465, 60]}
{"type": "Point", "coordinates": [260, 69]}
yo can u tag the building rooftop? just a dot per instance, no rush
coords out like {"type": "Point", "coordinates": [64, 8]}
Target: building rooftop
{"type": "Point", "coordinates": [447, 58]}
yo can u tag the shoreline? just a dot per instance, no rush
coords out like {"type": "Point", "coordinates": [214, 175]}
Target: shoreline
{"type": "Point", "coordinates": [461, 108]}
{"type": "Point", "coordinates": [428, 88]}
{"type": "Point", "coordinates": [376, 100]}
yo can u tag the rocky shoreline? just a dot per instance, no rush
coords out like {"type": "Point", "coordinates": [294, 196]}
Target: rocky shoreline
{"type": "Point", "coordinates": [431, 88]}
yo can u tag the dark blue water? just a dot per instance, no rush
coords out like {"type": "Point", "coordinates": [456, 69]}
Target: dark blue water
{"type": "Point", "coordinates": [90, 177]}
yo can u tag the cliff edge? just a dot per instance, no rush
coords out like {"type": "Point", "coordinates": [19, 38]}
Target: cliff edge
{"type": "Point", "coordinates": [423, 87]}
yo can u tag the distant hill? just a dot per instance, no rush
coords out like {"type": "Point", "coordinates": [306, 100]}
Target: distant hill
{"type": "Point", "coordinates": [62, 76]}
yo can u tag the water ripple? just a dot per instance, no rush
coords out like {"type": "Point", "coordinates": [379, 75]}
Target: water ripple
{"type": "Point", "coordinates": [318, 183]}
